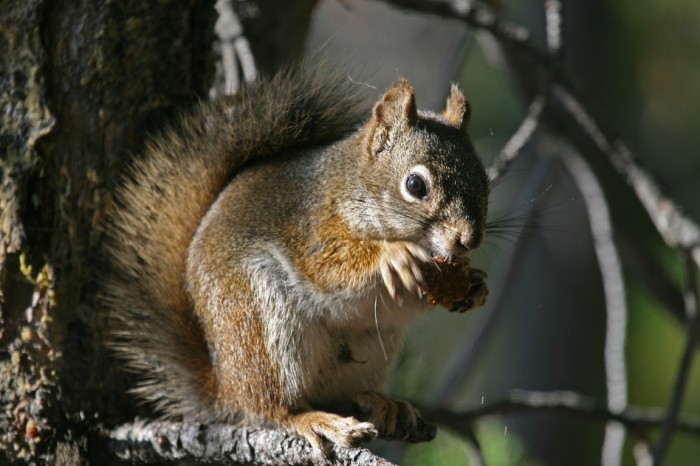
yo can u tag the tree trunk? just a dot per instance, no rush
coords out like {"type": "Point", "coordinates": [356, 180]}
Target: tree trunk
{"type": "Point", "coordinates": [82, 83]}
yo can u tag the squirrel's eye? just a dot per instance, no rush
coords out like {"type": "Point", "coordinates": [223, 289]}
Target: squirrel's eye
{"type": "Point", "coordinates": [416, 186]}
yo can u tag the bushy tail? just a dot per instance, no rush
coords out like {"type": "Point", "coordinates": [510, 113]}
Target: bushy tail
{"type": "Point", "coordinates": [165, 196]}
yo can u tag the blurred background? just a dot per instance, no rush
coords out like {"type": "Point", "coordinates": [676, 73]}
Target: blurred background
{"type": "Point", "coordinates": [638, 64]}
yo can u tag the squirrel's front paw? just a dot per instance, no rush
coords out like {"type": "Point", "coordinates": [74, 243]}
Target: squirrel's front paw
{"type": "Point", "coordinates": [476, 297]}
{"type": "Point", "coordinates": [400, 265]}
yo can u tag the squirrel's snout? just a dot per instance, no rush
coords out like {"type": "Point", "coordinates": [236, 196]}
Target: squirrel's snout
{"type": "Point", "coordinates": [456, 240]}
{"type": "Point", "coordinates": [472, 239]}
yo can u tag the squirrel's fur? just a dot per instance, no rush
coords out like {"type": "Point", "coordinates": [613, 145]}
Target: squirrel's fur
{"type": "Point", "coordinates": [265, 252]}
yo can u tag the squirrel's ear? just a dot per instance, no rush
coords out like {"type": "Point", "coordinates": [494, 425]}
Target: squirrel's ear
{"type": "Point", "coordinates": [458, 111]}
{"type": "Point", "coordinates": [395, 110]}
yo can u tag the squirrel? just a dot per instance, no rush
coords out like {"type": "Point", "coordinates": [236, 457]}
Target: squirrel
{"type": "Point", "coordinates": [268, 252]}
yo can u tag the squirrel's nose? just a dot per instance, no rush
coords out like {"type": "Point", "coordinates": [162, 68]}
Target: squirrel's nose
{"type": "Point", "coordinates": [472, 239]}
{"type": "Point", "coordinates": [460, 237]}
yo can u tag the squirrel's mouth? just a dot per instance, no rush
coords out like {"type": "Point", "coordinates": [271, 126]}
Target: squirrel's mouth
{"type": "Point", "coordinates": [447, 247]}
{"type": "Point", "coordinates": [462, 259]}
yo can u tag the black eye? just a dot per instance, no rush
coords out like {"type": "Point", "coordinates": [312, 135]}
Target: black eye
{"type": "Point", "coordinates": [416, 186]}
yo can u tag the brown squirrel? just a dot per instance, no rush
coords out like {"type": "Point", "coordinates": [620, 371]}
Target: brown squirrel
{"type": "Point", "coordinates": [269, 251]}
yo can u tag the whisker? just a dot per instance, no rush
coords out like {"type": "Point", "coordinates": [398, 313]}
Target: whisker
{"type": "Point", "coordinates": [511, 175]}
{"type": "Point", "coordinates": [379, 333]}
{"type": "Point", "coordinates": [526, 205]}
{"type": "Point", "coordinates": [423, 220]}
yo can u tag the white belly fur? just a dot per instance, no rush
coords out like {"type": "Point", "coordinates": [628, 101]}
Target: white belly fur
{"type": "Point", "coordinates": [328, 347]}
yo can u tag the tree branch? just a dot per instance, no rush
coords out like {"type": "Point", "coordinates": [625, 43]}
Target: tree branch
{"type": "Point", "coordinates": [519, 139]}
{"type": "Point", "coordinates": [679, 388]}
{"type": "Point", "coordinates": [635, 419]}
{"type": "Point", "coordinates": [155, 442]}
{"type": "Point", "coordinates": [478, 15]}
{"type": "Point", "coordinates": [236, 62]}
{"type": "Point", "coordinates": [676, 229]}
{"type": "Point", "coordinates": [613, 281]}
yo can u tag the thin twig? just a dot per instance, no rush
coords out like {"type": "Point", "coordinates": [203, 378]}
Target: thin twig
{"type": "Point", "coordinates": [642, 453]}
{"type": "Point", "coordinates": [609, 264]}
{"type": "Point", "coordinates": [530, 123]}
{"type": "Point", "coordinates": [553, 20]}
{"type": "Point", "coordinates": [614, 289]}
{"type": "Point", "coordinates": [692, 297]}
{"type": "Point", "coordinates": [237, 61]}
{"type": "Point", "coordinates": [480, 16]}
{"type": "Point", "coordinates": [676, 229]}
{"type": "Point", "coordinates": [519, 139]}
{"type": "Point", "coordinates": [635, 419]}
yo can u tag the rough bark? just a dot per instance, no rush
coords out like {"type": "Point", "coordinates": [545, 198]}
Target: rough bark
{"type": "Point", "coordinates": [81, 83]}
{"type": "Point", "coordinates": [158, 441]}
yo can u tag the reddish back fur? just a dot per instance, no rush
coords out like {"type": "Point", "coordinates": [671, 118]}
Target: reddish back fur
{"type": "Point", "coordinates": [162, 201]}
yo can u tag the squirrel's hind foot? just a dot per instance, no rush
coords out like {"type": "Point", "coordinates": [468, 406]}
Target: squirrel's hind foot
{"type": "Point", "coordinates": [393, 419]}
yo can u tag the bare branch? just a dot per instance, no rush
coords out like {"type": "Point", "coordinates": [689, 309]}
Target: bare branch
{"type": "Point", "coordinates": [642, 454]}
{"type": "Point", "coordinates": [552, 9]}
{"type": "Point", "coordinates": [614, 287]}
{"type": "Point", "coordinates": [529, 125]}
{"type": "Point", "coordinates": [676, 229]}
{"type": "Point", "coordinates": [519, 139]}
{"type": "Point", "coordinates": [692, 298]}
{"type": "Point", "coordinates": [235, 52]}
{"type": "Point", "coordinates": [480, 16]}
{"type": "Point", "coordinates": [156, 442]}
{"type": "Point", "coordinates": [635, 419]}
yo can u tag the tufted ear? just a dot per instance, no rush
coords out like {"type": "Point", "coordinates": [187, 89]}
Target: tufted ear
{"type": "Point", "coordinates": [396, 110]}
{"type": "Point", "coordinates": [458, 111]}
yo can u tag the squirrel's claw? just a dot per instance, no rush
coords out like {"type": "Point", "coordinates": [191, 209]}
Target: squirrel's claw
{"type": "Point", "coordinates": [389, 280]}
{"type": "Point", "coordinates": [319, 428]}
{"type": "Point", "coordinates": [399, 266]}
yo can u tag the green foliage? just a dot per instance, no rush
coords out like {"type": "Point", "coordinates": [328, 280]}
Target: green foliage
{"type": "Point", "coordinates": [499, 447]}
{"type": "Point", "coordinates": [654, 348]}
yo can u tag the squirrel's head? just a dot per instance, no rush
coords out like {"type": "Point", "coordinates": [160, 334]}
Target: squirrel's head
{"type": "Point", "coordinates": [424, 179]}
